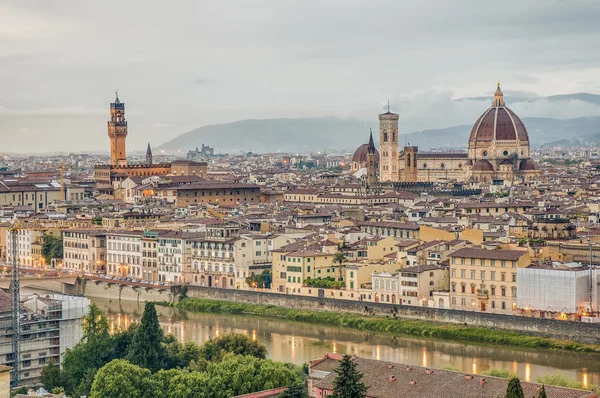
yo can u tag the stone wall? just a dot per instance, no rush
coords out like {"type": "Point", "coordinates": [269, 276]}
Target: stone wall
{"type": "Point", "coordinates": [577, 331]}
{"type": "Point", "coordinates": [115, 291]}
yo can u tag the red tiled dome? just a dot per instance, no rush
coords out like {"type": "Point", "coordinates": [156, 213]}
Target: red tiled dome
{"type": "Point", "coordinates": [527, 165]}
{"type": "Point", "coordinates": [498, 123]}
{"type": "Point", "coordinates": [361, 154]}
{"type": "Point", "coordinates": [483, 165]}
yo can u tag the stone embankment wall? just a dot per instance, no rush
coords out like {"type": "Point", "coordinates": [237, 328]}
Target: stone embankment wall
{"type": "Point", "coordinates": [102, 289]}
{"type": "Point", "coordinates": [116, 291]}
{"type": "Point", "coordinates": [577, 331]}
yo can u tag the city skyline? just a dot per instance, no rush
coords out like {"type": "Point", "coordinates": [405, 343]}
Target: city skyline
{"type": "Point", "coordinates": [199, 64]}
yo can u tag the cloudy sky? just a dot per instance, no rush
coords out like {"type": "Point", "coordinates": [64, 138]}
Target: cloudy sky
{"type": "Point", "coordinates": [188, 63]}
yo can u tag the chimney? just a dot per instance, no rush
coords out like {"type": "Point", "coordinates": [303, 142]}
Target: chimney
{"type": "Point", "coordinates": [482, 382]}
{"type": "Point", "coordinates": [428, 371]}
{"type": "Point", "coordinates": [468, 377]}
{"type": "Point", "coordinates": [392, 379]}
{"type": "Point", "coordinates": [390, 366]}
{"type": "Point", "coordinates": [408, 368]}
{"type": "Point", "coordinates": [412, 382]}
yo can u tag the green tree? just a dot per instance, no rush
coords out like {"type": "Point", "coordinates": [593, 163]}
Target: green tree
{"type": "Point", "coordinates": [514, 389]}
{"type": "Point", "coordinates": [81, 363]}
{"type": "Point", "coordinates": [347, 382]}
{"type": "Point", "coordinates": [339, 258]}
{"type": "Point", "coordinates": [121, 379]}
{"type": "Point", "coordinates": [182, 355]}
{"type": "Point", "coordinates": [237, 375]}
{"type": "Point", "coordinates": [52, 247]}
{"type": "Point", "coordinates": [234, 343]}
{"type": "Point", "coordinates": [295, 391]}
{"type": "Point", "coordinates": [51, 376]}
{"type": "Point", "coordinates": [262, 280]}
{"type": "Point", "coordinates": [146, 348]}
{"type": "Point", "coordinates": [542, 393]}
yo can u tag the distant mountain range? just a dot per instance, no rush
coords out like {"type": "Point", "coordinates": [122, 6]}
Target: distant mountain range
{"type": "Point", "coordinates": [313, 134]}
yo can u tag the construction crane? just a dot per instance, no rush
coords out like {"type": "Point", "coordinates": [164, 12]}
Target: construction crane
{"type": "Point", "coordinates": [16, 301]}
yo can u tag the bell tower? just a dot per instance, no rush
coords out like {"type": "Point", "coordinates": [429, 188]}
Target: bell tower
{"type": "Point", "coordinates": [388, 146]}
{"type": "Point", "coordinates": [371, 162]}
{"type": "Point", "coordinates": [117, 132]}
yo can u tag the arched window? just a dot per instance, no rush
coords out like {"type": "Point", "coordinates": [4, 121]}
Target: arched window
{"type": "Point", "coordinates": [385, 137]}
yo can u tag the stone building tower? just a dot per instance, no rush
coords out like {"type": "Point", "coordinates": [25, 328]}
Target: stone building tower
{"type": "Point", "coordinates": [388, 146]}
{"type": "Point", "coordinates": [149, 155]}
{"type": "Point", "coordinates": [117, 132]}
{"type": "Point", "coordinates": [410, 163]}
{"type": "Point", "coordinates": [371, 162]}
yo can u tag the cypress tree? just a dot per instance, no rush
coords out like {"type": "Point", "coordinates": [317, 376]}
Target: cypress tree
{"type": "Point", "coordinates": [542, 393]}
{"type": "Point", "coordinates": [347, 383]}
{"type": "Point", "coordinates": [146, 348]}
{"type": "Point", "coordinates": [514, 389]}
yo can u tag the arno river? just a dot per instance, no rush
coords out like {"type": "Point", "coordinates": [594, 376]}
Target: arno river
{"type": "Point", "coordinates": [300, 342]}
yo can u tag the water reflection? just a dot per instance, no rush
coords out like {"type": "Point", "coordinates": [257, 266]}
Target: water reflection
{"type": "Point", "coordinates": [300, 342]}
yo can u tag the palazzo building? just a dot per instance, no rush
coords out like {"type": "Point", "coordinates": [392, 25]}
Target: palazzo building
{"type": "Point", "coordinates": [106, 176]}
{"type": "Point", "coordinates": [498, 149]}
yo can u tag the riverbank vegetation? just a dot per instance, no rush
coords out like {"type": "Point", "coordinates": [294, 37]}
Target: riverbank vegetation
{"type": "Point", "coordinates": [141, 361]}
{"type": "Point", "coordinates": [392, 325]}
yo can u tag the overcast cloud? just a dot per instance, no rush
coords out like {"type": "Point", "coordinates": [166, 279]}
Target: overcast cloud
{"type": "Point", "coordinates": [187, 63]}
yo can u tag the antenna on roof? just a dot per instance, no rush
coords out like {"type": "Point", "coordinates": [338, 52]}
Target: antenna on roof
{"type": "Point", "coordinates": [388, 105]}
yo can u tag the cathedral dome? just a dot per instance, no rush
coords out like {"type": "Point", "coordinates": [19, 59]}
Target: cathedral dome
{"type": "Point", "coordinates": [527, 165]}
{"type": "Point", "coordinates": [483, 165]}
{"type": "Point", "coordinates": [498, 123]}
{"type": "Point", "coordinates": [360, 156]}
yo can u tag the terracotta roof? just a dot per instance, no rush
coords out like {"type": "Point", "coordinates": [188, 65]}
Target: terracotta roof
{"type": "Point", "coordinates": [498, 123]}
{"type": "Point", "coordinates": [392, 224]}
{"type": "Point", "coordinates": [361, 154]}
{"type": "Point", "coordinates": [430, 383]}
{"type": "Point", "coordinates": [511, 255]}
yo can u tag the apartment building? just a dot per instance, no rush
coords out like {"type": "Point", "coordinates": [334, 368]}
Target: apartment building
{"type": "Point", "coordinates": [418, 283]}
{"type": "Point", "coordinates": [485, 280]}
{"type": "Point", "coordinates": [25, 238]}
{"type": "Point", "coordinates": [50, 324]}
{"type": "Point", "coordinates": [124, 254]}
{"type": "Point", "coordinates": [150, 256]}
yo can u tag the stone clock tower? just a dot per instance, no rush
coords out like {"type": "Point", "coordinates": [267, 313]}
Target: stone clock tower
{"type": "Point", "coordinates": [388, 146]}
{"type": "Point", "coordinates": [117, 132]}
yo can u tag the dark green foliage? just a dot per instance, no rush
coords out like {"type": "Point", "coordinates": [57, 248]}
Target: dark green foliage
{"type": "Point", "coordinates": [295, 391]}
{"type": "Point", "coordinates": [97, 220]}
{"type": "Point", "coordinates": [146, 349]}
{"type": "Point", "coordinates": [262, 280]}
{"type": "Point", "coordinates": [233, 343]}
{"type": "Point", "coordinates": [542, 393]}
{"type": "Point", "coordinates": [19, 390]}
{"type": "Point", "coordinates": [514, 389]}
{"type": "Point", "coordinates": [223, 367]}
{"type": "Point", "coordinates": [121, 379]}
{"type": "Point", "coordinates": [52, 247]}
{"type": "Point", "coordinates": [81, 363]}
{"type": "Point", "coordinates": [347, 382]}
{"type": "Point", "coordinates": [51, 376]}
{"type": "Point", "coordinates": [324, 283]}
{"type": "Point", "coordinates": [339, 258]}
{"type": "Point", "coordinates": [396, 326]}
{"type": "Point", "coordinates": [182, 355]}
